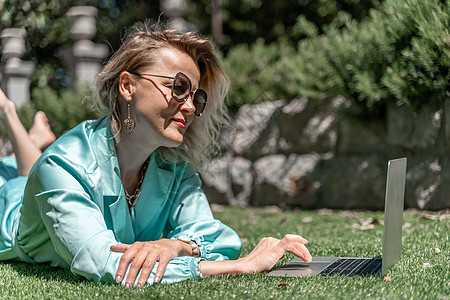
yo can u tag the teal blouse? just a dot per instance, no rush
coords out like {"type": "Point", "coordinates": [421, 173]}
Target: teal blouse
{"type": "Point", "coordinates": [73, 209]}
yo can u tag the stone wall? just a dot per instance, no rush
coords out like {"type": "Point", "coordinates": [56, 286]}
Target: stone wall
{"type": "Point", "coordinates": [308, 154]}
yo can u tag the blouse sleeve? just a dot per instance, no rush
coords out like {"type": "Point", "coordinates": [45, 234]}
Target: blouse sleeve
{"type": "Point", "coordinates": [64, 196]}
{"type": "Point", "coordinates": [191, 217]}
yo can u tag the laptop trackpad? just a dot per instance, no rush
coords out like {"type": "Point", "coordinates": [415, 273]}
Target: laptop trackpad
{"type": "Point", "coordinates": [297, 267]}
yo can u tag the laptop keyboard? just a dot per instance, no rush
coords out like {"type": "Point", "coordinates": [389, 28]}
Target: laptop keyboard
{"type": "Point", "coordinates": [353, 266]}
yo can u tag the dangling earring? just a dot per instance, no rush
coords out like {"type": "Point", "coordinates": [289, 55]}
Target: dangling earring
{"type": "Point", "coordinates": [128, 123]}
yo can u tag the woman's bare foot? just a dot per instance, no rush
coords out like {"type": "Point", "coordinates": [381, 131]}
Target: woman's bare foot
{"type": "Point", "coordinates": [40, 132]}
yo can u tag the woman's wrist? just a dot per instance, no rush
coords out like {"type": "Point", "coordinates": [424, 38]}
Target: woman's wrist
{"type": "Point", "coordinates": [189, 247]}
{"type": "Point", "coordinates": [242, 266]}
{"type": "Point", "coordinates": [217, 268]}
{"type": "Point", "coordinates": [185, 249]}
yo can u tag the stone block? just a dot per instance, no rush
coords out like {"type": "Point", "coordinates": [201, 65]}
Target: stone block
{"type": "Point", "coordinates": [428, 182]}
{"type": "Point", "coordinates": [312, 129]}
{"type": "Point", "coordinates": [284, 180]}
{"type": "Point", "coordinates": [249, 122]}
{"type": "Point", "coordinates": [216, 182]}
{"type": "Point", "coordinates": [413, 132]}
{"type": "Point", "coordinates": [353, 182]}
{"type": "Point", "coordinates": [230, 178]}
{"type": "Point", "coordinates": [446, 123]}
{"type": "Point", "coordinates": [356, 137]}
{"type": "Point", "coordinates": [300, 126]}
{"type": "Point", "coordinates": [241, 179]}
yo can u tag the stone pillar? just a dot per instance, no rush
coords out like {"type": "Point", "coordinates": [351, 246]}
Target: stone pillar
{"type": "Point", "coordinates": [15, 71]}
{"type": "Point", "coordinates": [175, 10]}
{"type": "Point", "coordinates": [85, 58]}
{"type": "Point", "coordinates": [217, 23]}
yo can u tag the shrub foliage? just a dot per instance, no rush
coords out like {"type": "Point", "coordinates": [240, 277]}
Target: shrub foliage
{"type": "Point", "coordinates": [401, 54]}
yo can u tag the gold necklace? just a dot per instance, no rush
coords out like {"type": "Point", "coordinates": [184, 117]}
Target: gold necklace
{"type": "Point", "coordinates": [132, 199]}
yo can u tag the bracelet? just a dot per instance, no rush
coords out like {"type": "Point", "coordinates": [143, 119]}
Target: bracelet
{"type": "Point", "coordinates": [193, 244]}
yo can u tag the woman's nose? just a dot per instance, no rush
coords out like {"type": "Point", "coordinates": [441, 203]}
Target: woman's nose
{"type": "Point", "coordinates": [188, 105]}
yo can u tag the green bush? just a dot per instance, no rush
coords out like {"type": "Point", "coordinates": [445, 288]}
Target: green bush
{"type": "Point", "coordinates": [401, 54]}
{"type": "Point", "coordinates": [64, 110]}
{"type": "Point", "coordinates": [256, 74]}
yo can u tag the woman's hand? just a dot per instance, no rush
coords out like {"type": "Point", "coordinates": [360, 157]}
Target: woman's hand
{"type": "Point", "coordinates": [270, 250]}
{"type": "Point", "coordinates": [143, 255]}
{"type": "Point", "coordinates": [263, 257]}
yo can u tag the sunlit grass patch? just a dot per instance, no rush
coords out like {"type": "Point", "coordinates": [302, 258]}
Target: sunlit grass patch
{"type": "Point", "coordinates": [422, 273]}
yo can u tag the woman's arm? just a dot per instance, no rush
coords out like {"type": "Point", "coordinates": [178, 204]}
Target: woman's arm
{"type": "Point", "coordinates": [263, 257]}
{"type": "Point", "coordinates": [189, 217]}
{"type": "Point", "coordinates": [59, 196]}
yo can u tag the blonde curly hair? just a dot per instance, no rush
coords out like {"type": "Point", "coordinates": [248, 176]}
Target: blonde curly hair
{"type": "Point", "coordinates": [136, 53]}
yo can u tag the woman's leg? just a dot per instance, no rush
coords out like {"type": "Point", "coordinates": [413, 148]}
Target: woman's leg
{"type": "Point", "coordinates": [26, 151]}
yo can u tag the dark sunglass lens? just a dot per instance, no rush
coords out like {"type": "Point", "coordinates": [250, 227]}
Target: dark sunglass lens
{"type": "Point", "coordinates": [200, 99]}
{"type": "Point", "coordinates": [181, 87]}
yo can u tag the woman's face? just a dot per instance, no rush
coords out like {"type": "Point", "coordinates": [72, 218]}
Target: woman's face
{"type": "Point", "coordinates": [158, 117]}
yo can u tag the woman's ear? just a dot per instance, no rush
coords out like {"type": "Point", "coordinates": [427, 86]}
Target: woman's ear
{"type": "Point", "coordinates": [127, 85]}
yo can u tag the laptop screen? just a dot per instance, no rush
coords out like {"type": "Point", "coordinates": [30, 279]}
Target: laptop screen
{"type": "Point", "coordinates": [393, 212]}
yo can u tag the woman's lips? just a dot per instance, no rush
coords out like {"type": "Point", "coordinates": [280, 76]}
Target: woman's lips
{"type": "Point", "coordinates": [180, 122]}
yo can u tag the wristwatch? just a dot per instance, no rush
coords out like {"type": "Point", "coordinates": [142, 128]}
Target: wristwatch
{"type": "Point", "coordinates": [193, 244]}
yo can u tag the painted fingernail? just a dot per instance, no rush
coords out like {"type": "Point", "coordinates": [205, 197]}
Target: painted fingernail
{"type": "Point", "coordinates": [156, 279]}
{"type": "Point", "coordinates": [118, 279]}
{"type": "Point", "coordinates": [127, 285]}
{"type": "Point", "coordinates": [138, 285]}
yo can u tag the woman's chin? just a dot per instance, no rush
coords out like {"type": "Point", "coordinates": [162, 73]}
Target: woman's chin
{"type": "Point", "coordinates": [174, 141]}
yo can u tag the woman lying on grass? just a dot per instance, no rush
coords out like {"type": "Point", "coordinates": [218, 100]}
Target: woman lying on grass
{"type": "Point", "coordinates": [117, 199]}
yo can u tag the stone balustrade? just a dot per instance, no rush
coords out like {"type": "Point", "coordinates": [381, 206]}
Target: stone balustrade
{"type": "Point", "coordinates": [15, 71]}
{"type": "Point", "coordinates": [83, 60]}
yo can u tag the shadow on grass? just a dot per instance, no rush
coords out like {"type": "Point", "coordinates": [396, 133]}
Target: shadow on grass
{"type": "Point", "coordinates": [43, 272]}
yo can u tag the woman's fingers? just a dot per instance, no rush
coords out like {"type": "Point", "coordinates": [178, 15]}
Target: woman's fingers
{"type": "Point", "coordinates": [142, 257]}
{"type": "Point", "coordinates": [120, 247]}
{"type": "Point", "coordinates": [291, 238]}
{"type": "Point", "coordinates": [134, 269]}
{"type": "Point", "coordinates": [147, 268]}
{"type": "Point", "coordinates": [125, 260]}
{"type": "Point", "coordinates": [299, 250]}
{"type": "Point", "coordinates": [163, 261]}
{"type": "Point", "coordinates": [295, 245]}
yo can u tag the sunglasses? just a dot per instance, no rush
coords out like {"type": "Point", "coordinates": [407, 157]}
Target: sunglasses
{"type": "Point", "coordinates": [182, 89]}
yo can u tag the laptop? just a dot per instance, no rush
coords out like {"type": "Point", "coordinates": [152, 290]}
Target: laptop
{"type": "Point", "coordinates": [392, 238]}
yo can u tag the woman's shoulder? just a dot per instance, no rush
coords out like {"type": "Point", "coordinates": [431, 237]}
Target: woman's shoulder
{"type": "Point", "coordinates": [79, 146]}
{"type": "Point", "coordinates": [83, 132]}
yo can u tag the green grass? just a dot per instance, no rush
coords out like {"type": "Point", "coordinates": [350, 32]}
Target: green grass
{"type": "Point", "coordinates": [334, 234]}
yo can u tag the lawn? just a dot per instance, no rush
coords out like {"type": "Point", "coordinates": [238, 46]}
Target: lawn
{"type": "Point", "coordinates": [422, 273]}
